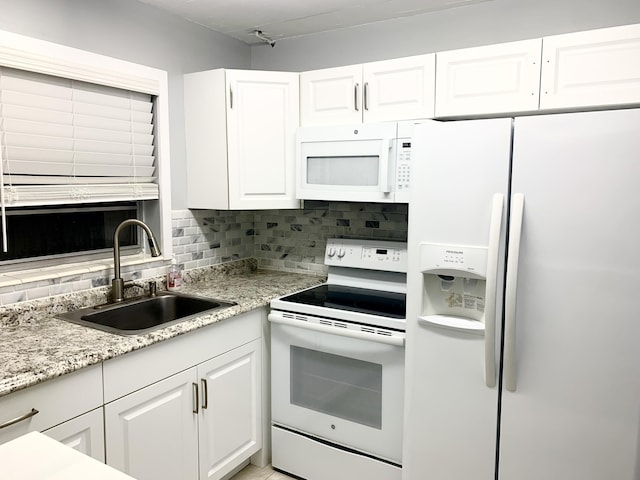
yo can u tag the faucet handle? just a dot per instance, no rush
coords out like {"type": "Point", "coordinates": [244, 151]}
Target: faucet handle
{"type": "Point", "coordinates": [153, 288]}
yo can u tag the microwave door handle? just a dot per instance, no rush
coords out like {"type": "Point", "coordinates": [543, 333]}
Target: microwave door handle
{"type": "Point", "coordinates": [385, 161]}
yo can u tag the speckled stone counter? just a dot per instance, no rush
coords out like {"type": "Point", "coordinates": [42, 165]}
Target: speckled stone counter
{"type": "Point", "coordinates": [36, 346]}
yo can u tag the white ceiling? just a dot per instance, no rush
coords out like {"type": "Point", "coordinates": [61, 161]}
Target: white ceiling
{"type": "Point", "coordinates": [280, 19]}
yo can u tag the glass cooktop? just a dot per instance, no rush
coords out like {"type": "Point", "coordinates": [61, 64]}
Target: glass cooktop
{"type": "Point", "coordinates": [372, 302]}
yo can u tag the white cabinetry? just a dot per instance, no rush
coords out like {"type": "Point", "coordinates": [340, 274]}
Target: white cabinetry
{"type": "Point", "coordinates": [84, 433]}
{"type": "Point", "coordinates": [399, 89]}
{"type": "Point", "coordinates": [152, 433]}
{"type": "Point", "coordinates": [240, 133]}
{"type": "Point", "coordinates": [594, 68]}
{"type": "Point", "coordinates": [231, 415]}
{"type": "Point", "coordinates": [190, 407]}
{"type": "Point", "coordinates": [488, 80]}
{"type": "Point", "coordinates": [61, 403]}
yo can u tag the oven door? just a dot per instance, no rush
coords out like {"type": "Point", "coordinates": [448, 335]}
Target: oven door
{"type": "Point", "coordinates": [338, 384]}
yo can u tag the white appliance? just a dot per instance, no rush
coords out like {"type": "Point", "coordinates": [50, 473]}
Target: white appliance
{"type": "Point", "coordinates": [525, 232]}
{"type": "Point", "coordinates": [337, 367]}
{"type": "Point", "coordinates": [358, 163]}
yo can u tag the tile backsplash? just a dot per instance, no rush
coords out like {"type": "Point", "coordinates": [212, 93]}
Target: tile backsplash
{"type": "Point", "coordinates": [289, 240]}
{"type": "Point", "coordinates": [294, 240]}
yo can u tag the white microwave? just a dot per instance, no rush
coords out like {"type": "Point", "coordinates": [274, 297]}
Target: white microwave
{"type": "Point", "coordinates": [357, 163]}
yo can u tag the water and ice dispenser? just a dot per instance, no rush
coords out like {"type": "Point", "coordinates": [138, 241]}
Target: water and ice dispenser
{"type": "Point", "coordinates": [454, 286]}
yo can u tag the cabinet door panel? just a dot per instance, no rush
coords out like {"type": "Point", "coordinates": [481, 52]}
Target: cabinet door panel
{"type": "Point", "coordinates": [594, 68]}
{"type": "Point", "coordinates": [400, 89]}
{"type": "Point", "coordinates": [261, 124]}
{"type": "Point", "coordinates": [84, 434]}
{"type": "Point", "coordinates": [492, 79]}
{"type": "Point", "coordinates": [151, 434]}
{"type": "Point", "coordinates": [230, 428]}
{"type": "Point", "coordinates": [331, 96]}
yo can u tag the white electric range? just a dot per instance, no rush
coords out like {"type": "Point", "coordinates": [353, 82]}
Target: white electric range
{"type": "Point", "coordinates": [337, 367]}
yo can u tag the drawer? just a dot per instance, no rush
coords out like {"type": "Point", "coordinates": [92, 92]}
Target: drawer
{"type": "Point", "coordinates": [56, 401]}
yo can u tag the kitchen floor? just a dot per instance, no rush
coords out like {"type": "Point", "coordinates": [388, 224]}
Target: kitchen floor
{"type": "Point", "coordinates": [251, 472]}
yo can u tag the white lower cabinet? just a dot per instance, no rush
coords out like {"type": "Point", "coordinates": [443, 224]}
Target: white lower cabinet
{"type": "Point", "coordinates": [231, 417]}
{"type": "Point", "coordinates": [67, 408]}
{"type": "Point", "coordinates": [151, 434]}
{"type": "Point", "coordinates": [84, 433]}
{"type": "Point", "coordinates": [199, 423]}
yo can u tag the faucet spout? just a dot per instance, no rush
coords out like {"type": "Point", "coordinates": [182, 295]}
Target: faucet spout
{"type": "Point", "coordinates": [117, 284]}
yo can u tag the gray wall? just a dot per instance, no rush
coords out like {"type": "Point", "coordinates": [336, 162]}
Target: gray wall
{"type": "Point", "coordinates": [494, 21]}
{"type": "Point", "coordinates": [135, 32]}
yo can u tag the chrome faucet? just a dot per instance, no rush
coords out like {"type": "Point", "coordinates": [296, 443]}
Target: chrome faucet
{"type": "Point", "coordinates": [117, 284]}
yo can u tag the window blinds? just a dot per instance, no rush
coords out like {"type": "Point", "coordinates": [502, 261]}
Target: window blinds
{"type": "Point", "coordinates": [65, 141]}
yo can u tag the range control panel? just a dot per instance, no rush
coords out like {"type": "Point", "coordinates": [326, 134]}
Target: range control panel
{"type": "Point", "coordinates": [370, 254]}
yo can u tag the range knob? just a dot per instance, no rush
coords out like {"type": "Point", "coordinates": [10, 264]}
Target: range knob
{"type": "Point", "coordinates": [341, 252]}
{"type": "Point", "coordinates": [331, 252]}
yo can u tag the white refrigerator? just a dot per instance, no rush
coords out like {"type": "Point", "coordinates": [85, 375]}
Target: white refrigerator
{"type": "Point", "coordinates": [523, 304]}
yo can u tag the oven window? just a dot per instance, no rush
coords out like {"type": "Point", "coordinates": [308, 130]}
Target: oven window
{"type": "Point", "coordinates": [339, 386]}
{"type": "Point", "coordinates": [361, 171]}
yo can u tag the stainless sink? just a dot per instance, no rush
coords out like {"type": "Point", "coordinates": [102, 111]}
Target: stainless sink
{"type": "Point", "coordinates": [142, 315]}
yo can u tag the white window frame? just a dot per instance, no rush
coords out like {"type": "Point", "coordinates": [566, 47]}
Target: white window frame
{"type": "Point", "coordinates": [26, 53]}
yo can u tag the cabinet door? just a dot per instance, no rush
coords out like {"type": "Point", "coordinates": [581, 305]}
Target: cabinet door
{"type": "Point", "coordinates": [84, 434]}
{"type": "Point", "coordinates": [331, 96]}
{"type": "Point", "coordinates": [230, 420]}
{"type": "Point", "coordinates": [262, 118]}
{"type": "Point", "coordinates": [152, 433]}
{"type": "Point", "coordinates": [594, 68]}
{"type": "Point", "coordinates": [502, 78]}
{"type": "Point", "coordinates": [400, 89]}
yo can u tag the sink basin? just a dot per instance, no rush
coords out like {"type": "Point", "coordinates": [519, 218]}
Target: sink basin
{"type": "Point", "coordinates": [142, 315]}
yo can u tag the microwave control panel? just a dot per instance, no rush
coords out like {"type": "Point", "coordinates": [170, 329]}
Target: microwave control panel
{"type": "Point", "coordinates": [369, 254]}
{"type": "Point", "coordinates": [403, 165]}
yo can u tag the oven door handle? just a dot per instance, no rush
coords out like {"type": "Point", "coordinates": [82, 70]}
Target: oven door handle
{"type": "Point", "coordinates": [397, 341]}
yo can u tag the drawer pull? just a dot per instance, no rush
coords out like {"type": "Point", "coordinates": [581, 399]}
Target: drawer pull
{"type": "Point", "coordinates": [30, 414]}
{"type": "Point", "coordinates": [195, 398]}
{"type": "Point", "coordinates": [205, 394]}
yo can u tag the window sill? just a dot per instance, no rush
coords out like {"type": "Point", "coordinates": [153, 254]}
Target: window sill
{"type": "Point", "coordinates": [50, 274]}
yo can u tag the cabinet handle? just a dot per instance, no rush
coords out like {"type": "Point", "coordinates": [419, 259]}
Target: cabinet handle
{"type": "Point", "coordinates": [205, 393]}
{"type": "Point", "coordinates": [366, 95]}
{"type": "Point", "coordinates": [356, 94]}
{"type": "Point", "coordinates": [20, 418]}
{"type": "Point", "coordinates": [230, 98]}
{"type": "Point", "coordinates": [195, 397]}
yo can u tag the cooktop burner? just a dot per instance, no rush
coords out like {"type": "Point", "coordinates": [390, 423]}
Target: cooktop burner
{"type": "Point", "coordinates": [373, 302]}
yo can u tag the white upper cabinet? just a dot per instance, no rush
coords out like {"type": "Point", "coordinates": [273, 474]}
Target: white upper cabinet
{"type": "Point", "coordinates": [240, 132]}
{"type": "Point", "coordinates": [331, 96]}
{"type": "Point", "coordinates": [399, 89]}
{"type": "Point", "coordinates": [488, 80]}
{"type": "Point", "coordinates": [593, 68]}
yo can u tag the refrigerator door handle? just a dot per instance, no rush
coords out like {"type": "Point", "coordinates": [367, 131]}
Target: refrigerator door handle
{"type": "Point", "coordinates": [490, 297]}
{"type": "Point", "coordinates": [515, 234]}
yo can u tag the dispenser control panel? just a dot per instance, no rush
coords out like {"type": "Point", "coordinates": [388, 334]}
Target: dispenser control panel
{"type": "Point", "coordinates": [370, 254]}
{"type": "Point", "coordinates": [453, 259]}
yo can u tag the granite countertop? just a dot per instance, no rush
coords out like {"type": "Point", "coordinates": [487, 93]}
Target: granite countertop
{"type": "Point", "coordinates": [36, 346]}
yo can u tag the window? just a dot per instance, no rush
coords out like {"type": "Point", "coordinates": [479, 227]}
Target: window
{"type": "Point", "coordinates": [53, 232]}
{"type": "Point", "coordinates": [83, 142]}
